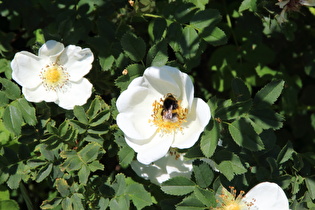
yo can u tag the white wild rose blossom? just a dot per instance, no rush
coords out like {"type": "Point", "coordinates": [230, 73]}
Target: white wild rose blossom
{"type": "Point", "coordinates": [55, 75]}
{"type": "Point", "coordinates": [264, 196]}
{"type": "Point", "coordinates": [158, 111]}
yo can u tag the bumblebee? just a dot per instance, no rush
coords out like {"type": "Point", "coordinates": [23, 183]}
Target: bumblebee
{"type": "Point", "coordinates": [170, 108]}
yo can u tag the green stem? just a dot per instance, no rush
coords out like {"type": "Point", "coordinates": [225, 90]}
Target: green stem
{"type": "Point", "coordinates": [229, 22]}
{"type": "Point", "coordinates": [151, 15]}
{"type": "Point", "coordinates": [26, 197]}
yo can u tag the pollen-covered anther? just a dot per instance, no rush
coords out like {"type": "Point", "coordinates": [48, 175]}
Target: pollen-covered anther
{"type": "Point", "coordinates": [232, 201]}
{"type": "Point", "coordinates": [54, 77]}
{"type": "Point", "coordinates": [168, 115]}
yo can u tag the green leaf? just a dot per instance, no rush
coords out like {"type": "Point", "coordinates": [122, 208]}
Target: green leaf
{"type": "Point", "coordinates": [157, 55]}
{"type": "Point", "coordinates": [203, 173]}
{"type": "Point", "coordinates": [28, 111]}
{"type": "Point", "coordinates": [83, 174]}
{"type": "Point", "coordinates": [62, 187]}
{"type": "Point", "coordinates": [191, 44]}
{"type": "Point", "coordinates": [214, 36]}
{"type": "Point", "coordinates": [3, 99]}
{"type": "Point", "coordinates": [77, 201]}
{"type": "Point", "coordinates": [248, 5]}
{"type": "Point", "coordinates": [190, 202]}
{"type": "Point", "coordinates": [119, 185]}
{"type": "Point", "coordinates": [134, 70]}
{"type": "Point", "coordinates": [178, 186]}
{"type": "Point", "coordinates": [205, 19]}
{"type": "Point", "coordinates": [44, 172]}
{"type": "Point", "coordinates": [72, 162]}
{"type": "Point", "coordinates": [17, 172]}
{"type": "Point", "coordinates": [12, 119]}
{"type": "Point", "coordinates": [11, 90]}
{"type": "Point", "coordinates": [234, 111]}
{"type": "Point", "coordinates": [90, 152]}
{"type": "Point", "coordinates": [100, 118]}
{"type": "Point", "coordinates": [9, 205]}
{"type": "Point", "coordinates": [156, 28]}
{"type": "Point", "coordinates": [103, 203]}
{"type": "Point", "coordinates": [66, 203]}
{"type": "Point", "coordinates": [265, 119]}
{"type": "Point", "coordinates": [285, 153]}
{"type": "Point", "coordinates": [240, 90]}
{"type": "Point", "coordinates": [51, 204]}
{"type": "Point", "coordinates": [139, 196]}
{"type": "Point", "coordinates": [34, 163]}
{"type": "Point", "coordinates": [268, 94]}
{"type": "Point", "coordinates": [245, 136]}
{"type": "Point", "coordinates": [106, 62]}
{"type": "Point", "coordinates": [119, 203]}
{"type": "Point", "coordinates": [95, 165]}
{"type": "Point", "coordinates": [133, 46]}
{"type": "Point", "coordinates": [79, 113]}
{"type": "Point", "coordinates": [205, 196]}
{"type": "Point", "coordinates": [310, 184]}
{"type": "Point", "coordinates": [126, 155]}
{"type": "Point", "coordinates": [78, 126]}
{"type": "Point", "coordinates": [229, 164]}
{"type": "Point", "coordinates": [209, 140]}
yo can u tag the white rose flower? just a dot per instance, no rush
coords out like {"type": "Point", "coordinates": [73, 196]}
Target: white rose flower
{"type": "Point", "coordinates": [55, 75]}
{"type": "Point", "coordinates": [169, 166]}
{"type": "Point", "coordinates": [263, 196]}
{"type": "Point", "coordinates": [159, 111]}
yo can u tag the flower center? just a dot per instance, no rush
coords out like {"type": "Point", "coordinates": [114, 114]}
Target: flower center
{"type": "Point", "coordinates": [231, 201]}
{"type": "Point", "coordinates": [54, 76]}
{"type": "Point", "coordinates": [168, 115]}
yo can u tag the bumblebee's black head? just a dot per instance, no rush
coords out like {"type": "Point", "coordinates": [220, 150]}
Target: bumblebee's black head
{"type": "Point", "coordinates": [170, 102]}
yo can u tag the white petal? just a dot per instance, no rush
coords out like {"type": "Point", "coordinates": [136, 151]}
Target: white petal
{"type": "Point", "coordinates": [168, 79]}
{"type": "Point", "coordinates": [77, 94]}
{"type": "Point", "coordinates": [39, 94]}
{"type": "Point", "coordinates": [135, 107]}
{"type": "Point", "coordinates": [51, 49]}
{"type": "Point", "coordinates": [77, 61]}
{"type": "Point", "coordinates": [139, 81]}
{"type": "Point", "coordinates": [155, 149]}
{"type": "Point", "coordinates": [163, 169]}
{"type": "Point", "coordinates": [177, 166]}
{"type": "Point", "coordinates": [153, 172]}
{"type": "Point", "coordinates": [197, 119]}
{"type": "Point", "coordinates": [26, 69]}
{"type": "Point", "coordinates": [267, 195]}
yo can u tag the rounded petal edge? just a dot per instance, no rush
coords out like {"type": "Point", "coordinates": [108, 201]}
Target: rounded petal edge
{"type": "Point", "coordinates": [267, 195]}
{"type": "Point", "coordinates": [197, 119]}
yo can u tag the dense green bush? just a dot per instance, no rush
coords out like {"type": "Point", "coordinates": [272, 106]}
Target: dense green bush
{"type": "Point", "coordinates": [256, 72]}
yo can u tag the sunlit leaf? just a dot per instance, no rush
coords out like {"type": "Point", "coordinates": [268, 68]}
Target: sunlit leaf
{"type": "Point", "coordinates": [62, 187]}
{"type": "Point", "coordinates": [12, 119]}
{"type": "Point", "coordinates": [268, 94]}
{"type": "Point", "coordinates": [133, 46]}
{"type": "Point", "coordinates": [245, 136]}
{"type": "Point", "coordinates": [178, 186]}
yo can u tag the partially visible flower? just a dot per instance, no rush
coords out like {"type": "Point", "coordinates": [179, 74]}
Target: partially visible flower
{"type": "Point", "coordinates": [158, 111]}
{"type": "Point", "coordinates": [55, 75]}
{"type": "Point", "coordinates": [291, 5]}
{"type": "Point", "coordinates": [169, 166]}
{"type": "Point", "coordinates": [264, 196]}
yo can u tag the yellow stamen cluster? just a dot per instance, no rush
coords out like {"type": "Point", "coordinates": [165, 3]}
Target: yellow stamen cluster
{"type": "Point", "coordinates": [54, 77]}
{"type": "Point", "coordinates": [167, 126]}
{"type": "Point", "coordinates": [231, 201]}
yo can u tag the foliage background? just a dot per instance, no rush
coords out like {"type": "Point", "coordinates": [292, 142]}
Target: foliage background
{"type": "Point", "coordinates": [257, 75]}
